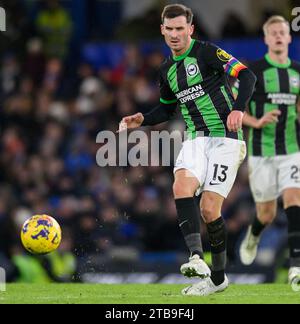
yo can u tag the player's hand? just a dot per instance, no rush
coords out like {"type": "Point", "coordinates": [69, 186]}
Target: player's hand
{"type": "Point", "coordinates": [235, 121]}
{"type": "Point", "coordinates": [131, 122]}
{"type": "Point", "coordinates": [269, 118]}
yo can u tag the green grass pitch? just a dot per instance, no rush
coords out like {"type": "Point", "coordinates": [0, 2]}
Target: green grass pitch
{"type": "Point", "coordinates": [143, 294]}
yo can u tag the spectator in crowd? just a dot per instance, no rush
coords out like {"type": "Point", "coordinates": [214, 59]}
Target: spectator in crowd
{"type": "Point", "coordinates": [54, 25]}
{"type": "Point", "coordinates": [35, 61]}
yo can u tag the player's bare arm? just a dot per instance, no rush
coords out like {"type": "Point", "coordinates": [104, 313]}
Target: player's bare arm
{"type": "Point", "coordinates": [268, 118]}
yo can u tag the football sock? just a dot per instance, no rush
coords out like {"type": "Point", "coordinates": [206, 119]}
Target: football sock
{"type": "Point", "coordinates": [293, 215]}
{"type": "Point", "coordinates": [257, 227]}
{"type": "Point", "coordinates": [189, 222]}
{"type": "Point", "coordinates": [218, 239]}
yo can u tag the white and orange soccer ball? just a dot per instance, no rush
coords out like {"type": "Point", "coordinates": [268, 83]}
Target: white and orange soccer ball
{"type": "Point", "coordinates": [41, 234]}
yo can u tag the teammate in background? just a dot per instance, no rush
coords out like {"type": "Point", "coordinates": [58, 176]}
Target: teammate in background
{"type": "Point", "coordinates": [194, 79]}
{"type": "Point", "coordinates": [274, 142]}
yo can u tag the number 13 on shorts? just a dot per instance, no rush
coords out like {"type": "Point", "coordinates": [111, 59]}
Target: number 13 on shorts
{"type": "Point", "coordinates": [213, 161]}
{"type": "Point", "coordinates": [223, 165]}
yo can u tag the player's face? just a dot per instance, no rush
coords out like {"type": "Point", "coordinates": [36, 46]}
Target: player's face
{"type": "Point", "coordinates": [177, 33]}
{"type": "Point", "coordinates": [278, 38]}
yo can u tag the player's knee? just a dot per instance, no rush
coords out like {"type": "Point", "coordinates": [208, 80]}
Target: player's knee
{"type": "Point", "coordinates": [181, 190]}
{"type": "Point", "coordinates": [267, 216]}
{"type": "Point", "coordinates": [209, 211]}
{"type": "Point", "coordinates": [208, 214]}
{"type": "Point", "coordinates": [291, 201]}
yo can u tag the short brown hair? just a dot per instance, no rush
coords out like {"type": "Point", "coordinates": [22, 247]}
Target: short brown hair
{"type": "Point", "coordinates": [274, 20]}
{"type": "Point", "coordinates": [177, 10]}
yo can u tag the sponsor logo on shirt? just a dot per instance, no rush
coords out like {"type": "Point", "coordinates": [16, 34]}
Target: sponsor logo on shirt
{"type": "Point", "coordinates": [223, 56]}
{"type": "Point", "coordinates": [190, 94]}
{"type": "Point", "coordinates": [282, 98]}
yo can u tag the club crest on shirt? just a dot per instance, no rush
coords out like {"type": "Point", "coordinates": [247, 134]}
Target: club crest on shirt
{"type": "Point", "coordinates": [223, 56]}
{"type": "Point", "coordinates": [295, 82]}
{"type": "Point", "coordinates": [192, 69]}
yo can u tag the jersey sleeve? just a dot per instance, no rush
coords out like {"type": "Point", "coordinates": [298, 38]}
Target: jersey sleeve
{"type": "Point", "coordinates": [221, 61]}
{"type": "Point", "coordinates": [167, 96]}
{"type": "Point", "coordinates": [236, 85]}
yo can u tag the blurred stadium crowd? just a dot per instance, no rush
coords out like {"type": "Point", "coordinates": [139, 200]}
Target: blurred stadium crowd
{"type": "Point", "coordinates": [51, 113]}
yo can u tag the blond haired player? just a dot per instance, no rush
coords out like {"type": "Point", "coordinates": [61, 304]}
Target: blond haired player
{"type": "Point", "coordinates": [274, 142]}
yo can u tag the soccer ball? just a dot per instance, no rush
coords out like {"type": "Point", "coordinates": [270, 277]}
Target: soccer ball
{"type": "Point", "coordinates": [41, 234]}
